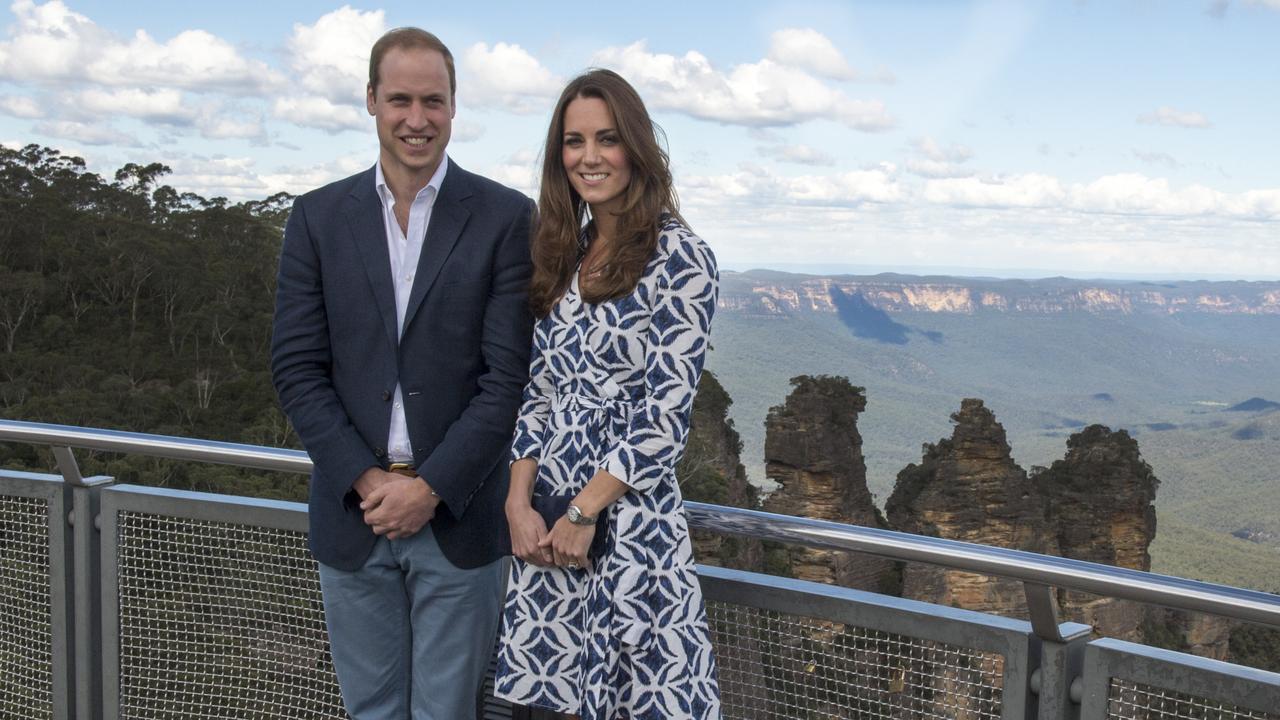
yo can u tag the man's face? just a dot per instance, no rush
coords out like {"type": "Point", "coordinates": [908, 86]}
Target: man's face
{"type": "Point", "coordinates": [414, 112]}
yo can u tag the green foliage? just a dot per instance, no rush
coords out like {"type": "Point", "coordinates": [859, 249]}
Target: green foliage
{"type": "Point", "coordinates": [127, 305]}
{"type": "Point", "coordinates": [705, 484]}
{"type": "Point", "coordinates": [1193, 552]}
{"type": "Point", "coordinates": [1256, 646]}
{"type": "Point", "coordinates": [777, 559]}
{"type": "Point", "coordinates": [1163, 635]}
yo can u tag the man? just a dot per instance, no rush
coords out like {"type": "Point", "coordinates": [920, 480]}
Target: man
{"type": "Point", "coordinates": [399, 352]}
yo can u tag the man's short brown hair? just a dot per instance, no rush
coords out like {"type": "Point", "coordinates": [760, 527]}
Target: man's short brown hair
{"type": "Point", "coordinates": [409, 38]}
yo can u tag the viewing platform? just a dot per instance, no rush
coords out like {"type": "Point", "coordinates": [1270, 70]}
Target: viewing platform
{"type": "Point", "coordinates": [124, 601]}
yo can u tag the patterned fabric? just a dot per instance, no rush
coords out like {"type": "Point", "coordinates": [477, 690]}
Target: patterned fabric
{"type": "Point", "coordinates": [612, 386]}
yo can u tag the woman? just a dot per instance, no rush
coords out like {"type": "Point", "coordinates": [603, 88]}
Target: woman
{"type": "Point", "coordinates": [624, 306]}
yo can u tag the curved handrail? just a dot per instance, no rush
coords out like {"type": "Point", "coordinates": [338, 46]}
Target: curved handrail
{"type": "Point", "coordinates": [1091, 577]}
{"type": "Point", "coordinates": [1096, 578]}
{"type": "Point", "coordinates": [256, 457]}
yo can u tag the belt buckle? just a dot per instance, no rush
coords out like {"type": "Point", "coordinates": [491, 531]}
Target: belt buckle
{"type": "Point", "coordinates": [401, 469]}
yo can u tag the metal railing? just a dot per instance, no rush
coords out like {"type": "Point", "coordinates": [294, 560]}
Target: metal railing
{"type": "Point", "coordinates": [187, 603]}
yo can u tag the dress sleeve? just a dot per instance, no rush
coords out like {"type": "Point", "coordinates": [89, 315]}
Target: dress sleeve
{"type": "Point", "coordinates": [535, 408]}
{"type": "Point", "coordinates": [675, 348]}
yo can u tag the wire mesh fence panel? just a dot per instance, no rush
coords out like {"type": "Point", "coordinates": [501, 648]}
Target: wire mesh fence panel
{"type": "Point", "coordinates": [1135, 701]}
{"type": "Point", "coordinates": [220, 620]}
{"type": "Point", "coordinates": [26, 617]}
{"type": "Point", "coordinates": [792, 667]}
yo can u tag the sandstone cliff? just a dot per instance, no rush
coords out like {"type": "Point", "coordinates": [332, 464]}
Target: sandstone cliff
{"type": "Point", "coordinates": [1099, 499]}
{"type": "Point", "coordinates": [765, 293]}
{"type": "Point", "coordinates": [814, 452]}
{"type": "Point", "coordinates": [711, 471]}
{"type": "Point", "coordinates": [969, 488]}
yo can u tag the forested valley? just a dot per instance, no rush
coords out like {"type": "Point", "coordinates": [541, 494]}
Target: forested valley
{"type": "Point", "coordinates": [128, 305]}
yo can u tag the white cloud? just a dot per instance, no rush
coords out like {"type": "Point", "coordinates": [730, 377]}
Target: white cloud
{"type": "Point", "coordinates": [163, 105]}
{"type": "Point", "coordinates": [938, 161]}
{"type": "Point", "coordinates": [298, 180]}
{"type": "Point", "coordinates": [808, 49]}
{"type": "Point", "coordinates": [507, 77]}
{"type": "Point", "coordinates": [46, 41]}
{"type": "Point", "coordinates": [800, 154]}
{"type": "Point", "coordinates": [331, 57]}
{"type": "Point", "coordinates": [850, 188]}
{"type": "Point", "coordinates": [1117, 194]}
{"type": "Point", "coordinates": [193, 59]}
{"type": "Point", "coordinates": [765, 93]}
{"type": "Point", "coordinates": [1024, 191]}
{"type": "Point", "coordinates": [224, 127]}
{"type": "Point", "coordinates": [317, 112]}
{"type": "Point", "coordinates": [1133, 193]}
{"type": "Point", "coordinates": [925, 167]}
{"type": "Point", "coordinates": [519, 171]}
{"type": "Point", "coordinates": [230, 177]}
{"type": "Point", "coordinates": [87, 133]}
{"type": "Point", "coordinates": [50, 43]}
{"type": "Point", "coordinates": [759, 187]}
{"type": "Point", "coordinates": [929, 147]}
{"type": "Point", "coordinates": [1129, 193]}
{"type": "Point", "coordinates": [465, 131]}
{"type": "Point", "coordinates": [1177, 118]}
{"type": "Point", "coordinates": [20, 106]}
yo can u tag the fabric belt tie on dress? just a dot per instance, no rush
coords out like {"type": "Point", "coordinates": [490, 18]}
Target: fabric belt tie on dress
{"type": "Point", "coordinates": [610, 421]}
{"type": "Point", "coordinates": [578, 401]}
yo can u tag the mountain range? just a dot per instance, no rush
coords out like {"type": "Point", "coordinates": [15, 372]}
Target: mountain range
{"type": "Point", "coordinates": [1190, 369]}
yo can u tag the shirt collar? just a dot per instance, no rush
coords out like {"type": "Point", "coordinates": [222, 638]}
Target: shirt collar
{"type": "Point", "coordinates": [437, 179]}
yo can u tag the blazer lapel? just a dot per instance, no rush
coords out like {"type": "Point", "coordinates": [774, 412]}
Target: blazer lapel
{"type": "Point", "coordinates": [448, 218]}
{"type": "Point", "coordinates": [366, 222]}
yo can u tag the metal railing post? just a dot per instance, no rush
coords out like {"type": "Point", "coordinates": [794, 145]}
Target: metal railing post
{"type": "Point", "coordinates": [62, 604]}
{"type": "Point", "coordinates": [1060, 667]}
{"type": "Point", "coordinates": [88, 598]}
{"type": "Point", "coordinates": [85, 627]}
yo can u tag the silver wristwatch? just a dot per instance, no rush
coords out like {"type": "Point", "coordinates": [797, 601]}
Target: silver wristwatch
{"type": "Point", "coordinates": [575, 516]}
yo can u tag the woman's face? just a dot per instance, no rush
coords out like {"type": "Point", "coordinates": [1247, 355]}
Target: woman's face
{"type": "Point", "coordinates": [593, 155]}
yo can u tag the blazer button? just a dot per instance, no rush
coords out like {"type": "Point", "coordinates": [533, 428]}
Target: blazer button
{"type": "Point", "coordinates": [386, 395]}
{"type": "Point", "coordinates": [379, 452]}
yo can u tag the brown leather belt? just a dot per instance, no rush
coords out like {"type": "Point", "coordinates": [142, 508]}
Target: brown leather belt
{"type": "Point", "coordinates": [407, 470]}
{"type": "Point", "coordinates": [404, 469]}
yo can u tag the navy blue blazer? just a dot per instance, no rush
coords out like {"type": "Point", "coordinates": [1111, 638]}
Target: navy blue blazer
{"type": "Point", "coordinates": [462, 361]}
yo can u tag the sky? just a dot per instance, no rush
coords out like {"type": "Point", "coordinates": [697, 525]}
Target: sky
{"type": "Point", "coordinates": [1125, 138]}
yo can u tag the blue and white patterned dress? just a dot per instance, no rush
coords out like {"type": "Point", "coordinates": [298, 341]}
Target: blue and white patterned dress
{"type": "Point", "coordinates": [612, 387]}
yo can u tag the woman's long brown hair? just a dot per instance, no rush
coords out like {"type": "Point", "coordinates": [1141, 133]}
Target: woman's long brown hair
{"type": "Point", "coordinates": [562, 211]}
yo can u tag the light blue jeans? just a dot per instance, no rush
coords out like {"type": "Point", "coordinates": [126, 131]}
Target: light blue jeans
{"type": "Point", "coordinates": [411, 634]}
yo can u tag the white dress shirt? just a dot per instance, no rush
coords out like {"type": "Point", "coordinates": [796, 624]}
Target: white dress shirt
{"type": "Point", "coordinates": [404, 250]}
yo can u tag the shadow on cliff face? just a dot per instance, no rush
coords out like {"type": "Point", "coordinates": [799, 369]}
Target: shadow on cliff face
{"type": "Point", "coordinates": [865, 320]}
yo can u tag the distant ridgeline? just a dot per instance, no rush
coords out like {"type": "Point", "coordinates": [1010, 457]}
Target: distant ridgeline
{"type": "Point", "coordinates": [1094, 504]}
{"type": "Point", "coordinates": [865, 300]}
